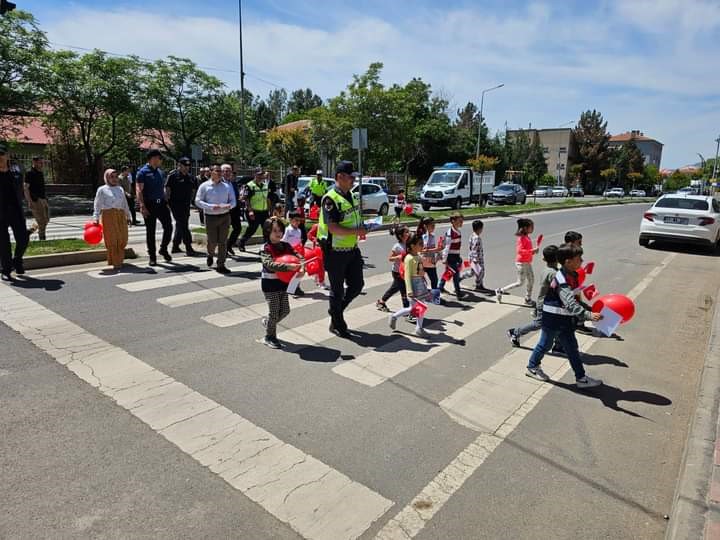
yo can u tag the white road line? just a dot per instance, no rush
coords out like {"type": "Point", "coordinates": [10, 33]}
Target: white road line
{"type": "Point", "coordinates": [183, 278]}
{"type": "Point", "coordinates": [413, 518]}
{"type": "Point", "coordinates": [385, 362]}
{"type": "Point", "coordinates": [317, 501]}
{"type": "Point", "coordinates": [100, 274]}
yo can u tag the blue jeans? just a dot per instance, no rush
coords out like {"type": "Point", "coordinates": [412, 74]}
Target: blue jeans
{"type": "Point", "coordinates": [566, 337]}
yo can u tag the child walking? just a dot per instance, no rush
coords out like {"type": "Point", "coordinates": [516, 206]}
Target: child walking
{"type": "Point", "coordinates": [523, 261]}
{"type": "Point", "coordinates": [293, 236]}
{"type": "Point", "coordinates": [398, 206]}
{"type": "Point", "coordinates": [275, 290]}
{"type": "Point", "coordinates": [414, 283]}
{"type": "Point", "coordinates": [550, 258]}
{"type": "Point", "coordinates": [431, 249]}
{"type": "Point", "coordinates": [559, 310]}
{"type": "Point", "coordinates": [396, 256]}
{"type": "Point", "coordinates": [476, 256]}
{"type": "Point", "coordinates": [451, 253]}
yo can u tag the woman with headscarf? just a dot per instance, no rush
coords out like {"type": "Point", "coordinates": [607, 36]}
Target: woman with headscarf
{"type": "Point", "coordinates": [112, 208]}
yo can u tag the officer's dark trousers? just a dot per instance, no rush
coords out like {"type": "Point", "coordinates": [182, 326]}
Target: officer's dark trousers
{"type": "Point", "coordinates": [17, 224]}
{"type": "Point", "coordinates": [181, 214]}
{"type": "Point", "coordinates": [343, 267]}
{"type": "Point", "coordinates": [236, 224]}
{"type": "Point", "coordinates": [157, 211]}
{"type": "Point", "coordinates": [253, 225]}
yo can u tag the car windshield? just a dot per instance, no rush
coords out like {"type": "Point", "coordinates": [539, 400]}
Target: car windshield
{"type": "Point", "coordinates": [444, 178]}
{"type": "Point", "coordinates": [504, 187]}
{"type": "Point", "coordinates": [682, 203]}
{"type": "Point", "coordinates": [542, 188]}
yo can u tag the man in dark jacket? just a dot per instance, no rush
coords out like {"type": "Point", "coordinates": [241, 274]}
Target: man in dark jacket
{"type": "Point", "coordinates": [290, 187]}
{"type": "Point", "coordinates": [180, 189]}
{"type": "Point", "coordinates": [11, 217]}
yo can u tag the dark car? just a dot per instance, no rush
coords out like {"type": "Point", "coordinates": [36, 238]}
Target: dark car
{"type": "Point", "coordinates": [577, 192]}
{"type": "Point", "coordinates": [508, 194]}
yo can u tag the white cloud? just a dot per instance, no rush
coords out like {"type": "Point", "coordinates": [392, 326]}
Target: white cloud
{"type": "Point", "coordinates": [554, 64]}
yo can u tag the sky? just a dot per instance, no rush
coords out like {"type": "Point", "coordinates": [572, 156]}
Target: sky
{"type": "Point", "coordinates": [650, 65]}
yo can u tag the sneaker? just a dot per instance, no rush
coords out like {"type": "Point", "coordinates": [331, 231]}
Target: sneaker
{"type": "Point", "coordinates": [420, 332]}
{"type": "Point", "coordinates": [392, 322]}
{"type": "Point", "coordinates": [299, 292]}
{"type": "Point", "coordinates": [513, 337]}
{"type": "Point", "coordinates": [529, 302]}
{"type": "Point", "coordinates": [210, 260]}
{"type": "Point", "coordinates": [587, 382]}
{"type": "Point", "coordinates": [498, 295]}
{"type": "Point", "coordinates": [165, 255]}
{"type": "Point", "coordinates": [411, 319]}
{"type": "Point", "coordinates": [382, 306]}
{"type": "Point", "coordinates": [537, 373]}
{"type": "Point", "coordinates": [271, 342]}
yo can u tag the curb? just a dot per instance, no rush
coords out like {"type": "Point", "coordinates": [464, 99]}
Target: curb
{"type": "Point", "coordinates": [696, 504]}
{"type": "Point", "coordinates": [70, 258]}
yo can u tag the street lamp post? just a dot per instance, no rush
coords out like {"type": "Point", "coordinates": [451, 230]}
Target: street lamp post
{"type": "Point", "coordinates": [242, 87]}
{"type": "Point", "coordinates": [482, 101]}
{"type": "Point", "coordinates": [715, 165]}
{"type": "Point", "coordinates": [702, 175]}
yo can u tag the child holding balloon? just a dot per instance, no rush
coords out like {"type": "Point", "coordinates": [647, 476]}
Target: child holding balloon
{"type": "Point", "coordinates": [559, 310]}
{"type": "Point", "coordinates": [275, 289]}
{"type": "Point", "coordinates": [415, 285]}
{"type": "Point", "coordinates": [523, 261]}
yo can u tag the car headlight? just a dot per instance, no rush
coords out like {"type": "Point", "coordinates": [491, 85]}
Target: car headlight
{"type": "Point", "coordinates": [449, 191]}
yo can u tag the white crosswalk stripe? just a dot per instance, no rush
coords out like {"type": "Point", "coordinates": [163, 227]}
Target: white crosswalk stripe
{"type": "Point", "coordinates": [181, 279]}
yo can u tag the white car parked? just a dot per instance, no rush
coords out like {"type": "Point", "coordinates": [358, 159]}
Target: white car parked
{"type": "Point", "coordinates": [637, 193]}
{"type": "Point", "coordinates": [560, 191]}
{"type": "Point", "coordinates": [687, 219]}
{"type": "Point", "coordinates": [374, 199]}
{"type": "Point", "coordinates": [614, 192]}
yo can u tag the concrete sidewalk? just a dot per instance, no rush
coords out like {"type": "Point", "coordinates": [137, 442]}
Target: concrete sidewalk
{"type": "Point", "coordinates": [696, 508]}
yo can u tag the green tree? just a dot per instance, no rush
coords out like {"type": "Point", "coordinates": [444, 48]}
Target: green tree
{"type": "Point", "coordinates": [608, 175]}
{"type": "Point", "coordinates": [302, 101]}
{"type": "Point", "coordinates": [94, 97]}
{"type": "Point", "coordinates": [183, 106]}
{"type": "Point", "coordinates": [22, 51]}
{"type": "Point", "coordinates": [292, 147]}
{"type": "Point", "coordinates": [592, 139]}
{"type": "Point", "coordinates": [676, 181]}
{"type": "Point", "coordinates": [535, 165]}
{"type": "Point", "coordinates": [651, 176]}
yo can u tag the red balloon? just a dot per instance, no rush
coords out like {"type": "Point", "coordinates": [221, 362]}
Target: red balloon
{"type": "Point", "coordinates": [285, 277]}
{"type": "Point", "coordinates": [619, 303]}
{"type": "Point", "coordinates": [409, 210]}
{"type": "Point", "coordinates": [89, 224]}
{"type": "Point", "coordinates": [93, 235]}
{"type": "Point", "coordinates": [581, 275]}
{"type": "Point", "coordinates": [313, 267]}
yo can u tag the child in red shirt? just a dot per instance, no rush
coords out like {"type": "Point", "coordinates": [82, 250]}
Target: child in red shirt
{"type": "Point", "coordinates": [523, 261]}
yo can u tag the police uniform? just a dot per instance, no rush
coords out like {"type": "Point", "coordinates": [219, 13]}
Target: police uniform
{"type": "Point", "coordinates": [181, 188]}
{"type": "Point", "coordinates": [317, 189]}
{"type": "Point", "coordinates": [155, 203]}
{"type": "Point", "coordinates": [259, 205]}
{"type": "Point", "coordinates": [342, 257]}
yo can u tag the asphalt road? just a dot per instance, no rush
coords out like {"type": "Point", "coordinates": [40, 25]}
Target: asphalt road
{"type": "Point", "coordinates": [403, 420]}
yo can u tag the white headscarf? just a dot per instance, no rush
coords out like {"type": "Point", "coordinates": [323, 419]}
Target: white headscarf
{"type": "Point", "coordinates": [107, 174]}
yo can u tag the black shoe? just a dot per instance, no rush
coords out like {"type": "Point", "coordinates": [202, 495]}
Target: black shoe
{"type": "Point", "coordinates": [340, 332]}
{"type": "Point", "coordinates": [460, 295]}
{"type": "Point", "coordinates": [19, 268]}
{"type": "Point", "coordinates": [190, 252]}
{"type": "Point", "coordinates": [271, 342]}
{"type": "Point", "coordinates": [210, 260]}
{"type": "Point", "coordinates": [299, 292]}
{"type": "Point", "coordinates": [558, 351]}
{"type": "Point", "coordinates": [222, 269]}
{"type": "Point", "coordinates": [165, 255]}
{"type": "Point", "coordinates": [230, 251]}
{"type": "Point", "coordinates": [153, 261]}
{"type": "Point", "coordinates": [513, 337]}
{"type": "Point", "coordinates": [6, 276]}
{"type": "Point", "coordinates": [241, 247]}
{"type": "Point", "coordinates": [175, 249]}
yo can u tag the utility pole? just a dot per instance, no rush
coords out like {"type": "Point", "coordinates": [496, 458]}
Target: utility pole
{"type": "Point", "coordinates": [715, 165]}
{"type": "Point", "coordinates": [242, 88]}
{"type": "Point", "coordinates": [482, 100]}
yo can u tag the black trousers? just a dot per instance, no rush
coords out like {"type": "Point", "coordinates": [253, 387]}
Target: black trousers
{"type": "Point", "coordinates": [431, 273]}
{"type": "Point", "coordinates": [343, 267]}
{"type": "Point", "coordinates": [157, 212]}
{"type": "Point", "coordinates": [253, 225]}
{"type": "Point", "coordinates": [133, 210]}
{"type": "Point", "coordinates": [181, 215]}
{"type": "Point", "coordinates": [397, 285]}
{"type": "Point", "coordinates": [236, 224]}
{"type": "Point", "coordinates": [19, 229]}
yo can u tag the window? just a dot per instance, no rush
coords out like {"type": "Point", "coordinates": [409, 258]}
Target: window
{"type": "Point", "coordinates": [716, 206]}
{"type": "Point", "coordinates": [682, 203]}
{"type": "Point", "coordinates": [546, 150]}
{"type": "Point", "coordinates": [563, 150]}
{"type": "Point", "coordinates": [463, 181]}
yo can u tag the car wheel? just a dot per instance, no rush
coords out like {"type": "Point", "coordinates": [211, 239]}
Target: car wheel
{"type": "Point", "coordinates": [458, 203]}
{"type": "Point", "coordinates": [644, 242]}
{"type": "Point", "coordinates": [383, 210]}
{"type": "Point", "coordinates": [426, 207]}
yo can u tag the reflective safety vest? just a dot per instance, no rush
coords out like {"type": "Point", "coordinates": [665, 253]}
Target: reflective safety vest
{"type": "Point", "coordinates": [350, 217]}
{"type": "Point", "coordinates": [317, 187]}
{"type": "Point", "coordinates": [258, 197]}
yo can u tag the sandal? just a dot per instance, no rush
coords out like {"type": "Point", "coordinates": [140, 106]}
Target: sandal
{"type": "Point", "coordinates": [382, 306]}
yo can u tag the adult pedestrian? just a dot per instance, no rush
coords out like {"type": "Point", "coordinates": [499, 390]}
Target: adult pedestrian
{"type": "Point", "coordinates": [290, 187]}
{"type": "Point", "coordinates": [317, 187]}
{"type": "Point", "coordinates": [180, 191]}
{"type": "Point", "coordinates": [258, 204]}
{"type": "Point", "coordinates": [204, 176]}
{"type": "Point", "coordinates": [11, 217]}
{"type": "Point", "coordinates": [126, 183]}
{"type": "Point", "coordinates": [112, 208]}
{"type": "Point", "coordinates": [150, 188]}
{"type": "Point", "coordinates": [216, 198]}
{"type": "Point", "coordinates": [339, 227]}
{"type": "Point", "coordinates": [36, 197]}
{"type": "Point", "coordinates": [228, 176]}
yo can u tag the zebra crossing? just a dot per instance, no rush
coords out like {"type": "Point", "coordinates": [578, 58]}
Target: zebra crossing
{"type": "Point", "coordinates": [315, 499]}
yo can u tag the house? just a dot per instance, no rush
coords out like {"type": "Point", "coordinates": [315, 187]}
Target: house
{"type": "Point", "coordinates": [650, 149]}
{"type": "Point", "coordinates": [559, 149]}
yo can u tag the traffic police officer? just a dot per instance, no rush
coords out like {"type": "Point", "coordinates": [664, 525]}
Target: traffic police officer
{"type": "Point", "coordinates": [339, 227]}
{"type": "Point", "coordinates": [152, 200]}
{"type": "Point", "coordinates": [258, 205]}
{"type": "Point", "coordinates": [317, 187]}
{"type": "Point", "coordinates": [180, 190]}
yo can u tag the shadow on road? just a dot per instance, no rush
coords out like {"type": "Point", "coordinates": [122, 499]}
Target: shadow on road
{"type": "Point", "coordinates": [610, 396]}
{"type": "Point", "coordinates": [28, 282]}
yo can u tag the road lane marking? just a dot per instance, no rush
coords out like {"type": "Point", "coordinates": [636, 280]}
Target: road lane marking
{"type": "Point", "coordinates": [407, 523]}
{"type": "Point", "coordinates": [317, 501]}
{"type": "Point", "coordinates": [184, 278]}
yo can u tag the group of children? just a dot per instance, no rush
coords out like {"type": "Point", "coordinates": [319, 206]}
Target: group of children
{"type": "Point", "coordinates": [558, 309]}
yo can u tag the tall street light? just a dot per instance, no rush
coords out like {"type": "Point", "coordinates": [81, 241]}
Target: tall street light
{"type": "Point", "coordinates": [715, 165]}
{"type": "Point", "coordinates": [242, 88]}
{"type": "Point", "coordinates": [482, 100]}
